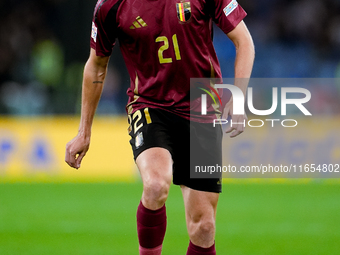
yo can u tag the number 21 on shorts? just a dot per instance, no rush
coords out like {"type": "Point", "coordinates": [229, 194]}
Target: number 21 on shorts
{"type": "Point", "coordinates": [136, 121]}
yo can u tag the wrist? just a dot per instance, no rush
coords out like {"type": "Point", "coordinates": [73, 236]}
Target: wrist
{"type": "Point", "coordinates": [85, 134]}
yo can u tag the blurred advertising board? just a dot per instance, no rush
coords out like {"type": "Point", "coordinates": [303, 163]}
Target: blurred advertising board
{"type": "Point", "coordinates": [34, 147]}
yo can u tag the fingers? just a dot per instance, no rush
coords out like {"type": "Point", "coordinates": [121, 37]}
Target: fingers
{"type": "Point", "coordinates": [236, 130]}
{"type": "Point", "coordinates": [238, 127]}
{"type": "Point", "coordinates": [76, 150]}
{"type": "Point", "coordinates": [229, 129]}
{"type": "Point", "coordinates": [79, 159]}
{"type": "Point", "coordinates": [70, 156]}
{"type": "Point", "coordinates": [236, 133]}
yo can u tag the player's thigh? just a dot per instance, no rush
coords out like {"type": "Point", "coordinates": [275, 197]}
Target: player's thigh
{"type": "Point", "coordinates": [199, 205]}
{"type": "Point", "coordinates": [155, 166]}
{"type": "Point", "coordinates": [151, 146]}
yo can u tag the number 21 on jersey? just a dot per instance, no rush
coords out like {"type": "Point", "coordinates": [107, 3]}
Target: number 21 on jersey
{"type": "Point", "coordinates": [165, 47]}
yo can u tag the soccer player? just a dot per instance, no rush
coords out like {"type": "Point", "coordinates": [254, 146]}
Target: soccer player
{"type": "Point", "coordinates": [165, 43]}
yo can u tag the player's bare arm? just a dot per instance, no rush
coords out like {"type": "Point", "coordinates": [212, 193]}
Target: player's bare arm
{"type": "Point", "coordinates": [245, 54]}
{"type": "Point", "coordinates": [93, 81]}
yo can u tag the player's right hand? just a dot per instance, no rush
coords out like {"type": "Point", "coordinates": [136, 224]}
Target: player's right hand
{"type": "Point", "coordinates": [76, 150]}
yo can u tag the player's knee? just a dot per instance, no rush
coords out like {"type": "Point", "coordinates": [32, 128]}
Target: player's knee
{"type": "Point", "coordinates": [156, 190]}
{"type": "Point", "coordinates": [202, 226]}
{"type": "Point", "coordinates": [206, 227]}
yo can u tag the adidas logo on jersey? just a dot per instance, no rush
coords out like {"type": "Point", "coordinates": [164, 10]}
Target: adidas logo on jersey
{"type": "Point", "coordinates": [138, 23]}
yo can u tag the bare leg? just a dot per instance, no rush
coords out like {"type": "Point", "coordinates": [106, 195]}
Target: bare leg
{"type": "Point", "coordinates": [200, 214]}
{"type": "Point", "coordinates": [155, 166]}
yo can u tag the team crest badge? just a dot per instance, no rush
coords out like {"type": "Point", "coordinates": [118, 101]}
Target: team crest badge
{"type": "Point", "coordinates": [139, 140]}
{"type": "Point", "coordinates": [183, 11]}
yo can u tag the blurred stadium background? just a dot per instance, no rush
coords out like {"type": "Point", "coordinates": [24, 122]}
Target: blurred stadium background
{"type": "Point", "coordinates": [47, 207]}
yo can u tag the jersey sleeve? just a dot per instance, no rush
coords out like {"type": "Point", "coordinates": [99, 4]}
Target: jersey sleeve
{"type": "Point", "coordinates": [104, 29]}
{"type": "Point", "coordinates": [227, 14]}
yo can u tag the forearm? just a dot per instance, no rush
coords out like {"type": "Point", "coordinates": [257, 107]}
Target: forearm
{"type": "Point", "coordinates": [244, 61]}
{"type": "Point", "coordinates": [93, 81]}
{"type": "Point", "coordinates": [245, 54]}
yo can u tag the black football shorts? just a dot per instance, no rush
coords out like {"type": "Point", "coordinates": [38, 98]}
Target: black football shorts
{"type": "Point", "coordinates": [151, 127]}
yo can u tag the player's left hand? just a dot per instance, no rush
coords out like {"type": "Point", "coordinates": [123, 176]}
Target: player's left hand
{"type": "Point", "coordinates": [241, 120]}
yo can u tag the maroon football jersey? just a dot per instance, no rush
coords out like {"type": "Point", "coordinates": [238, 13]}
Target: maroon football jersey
{"type": "Point", "coordinates": [164, 43]}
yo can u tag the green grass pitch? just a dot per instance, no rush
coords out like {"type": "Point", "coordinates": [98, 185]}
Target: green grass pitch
{"type": "Point", "coordinates": [99, 218]}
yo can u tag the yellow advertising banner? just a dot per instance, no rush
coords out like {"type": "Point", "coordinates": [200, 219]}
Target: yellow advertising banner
{"type": "Point", "coordinates": [35, 148]}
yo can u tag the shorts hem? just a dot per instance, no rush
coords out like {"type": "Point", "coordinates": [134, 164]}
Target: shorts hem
{"type": "Point", "coordinates": [217, 189]}
{"type": "Point", "coordinates": [135, 155]}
